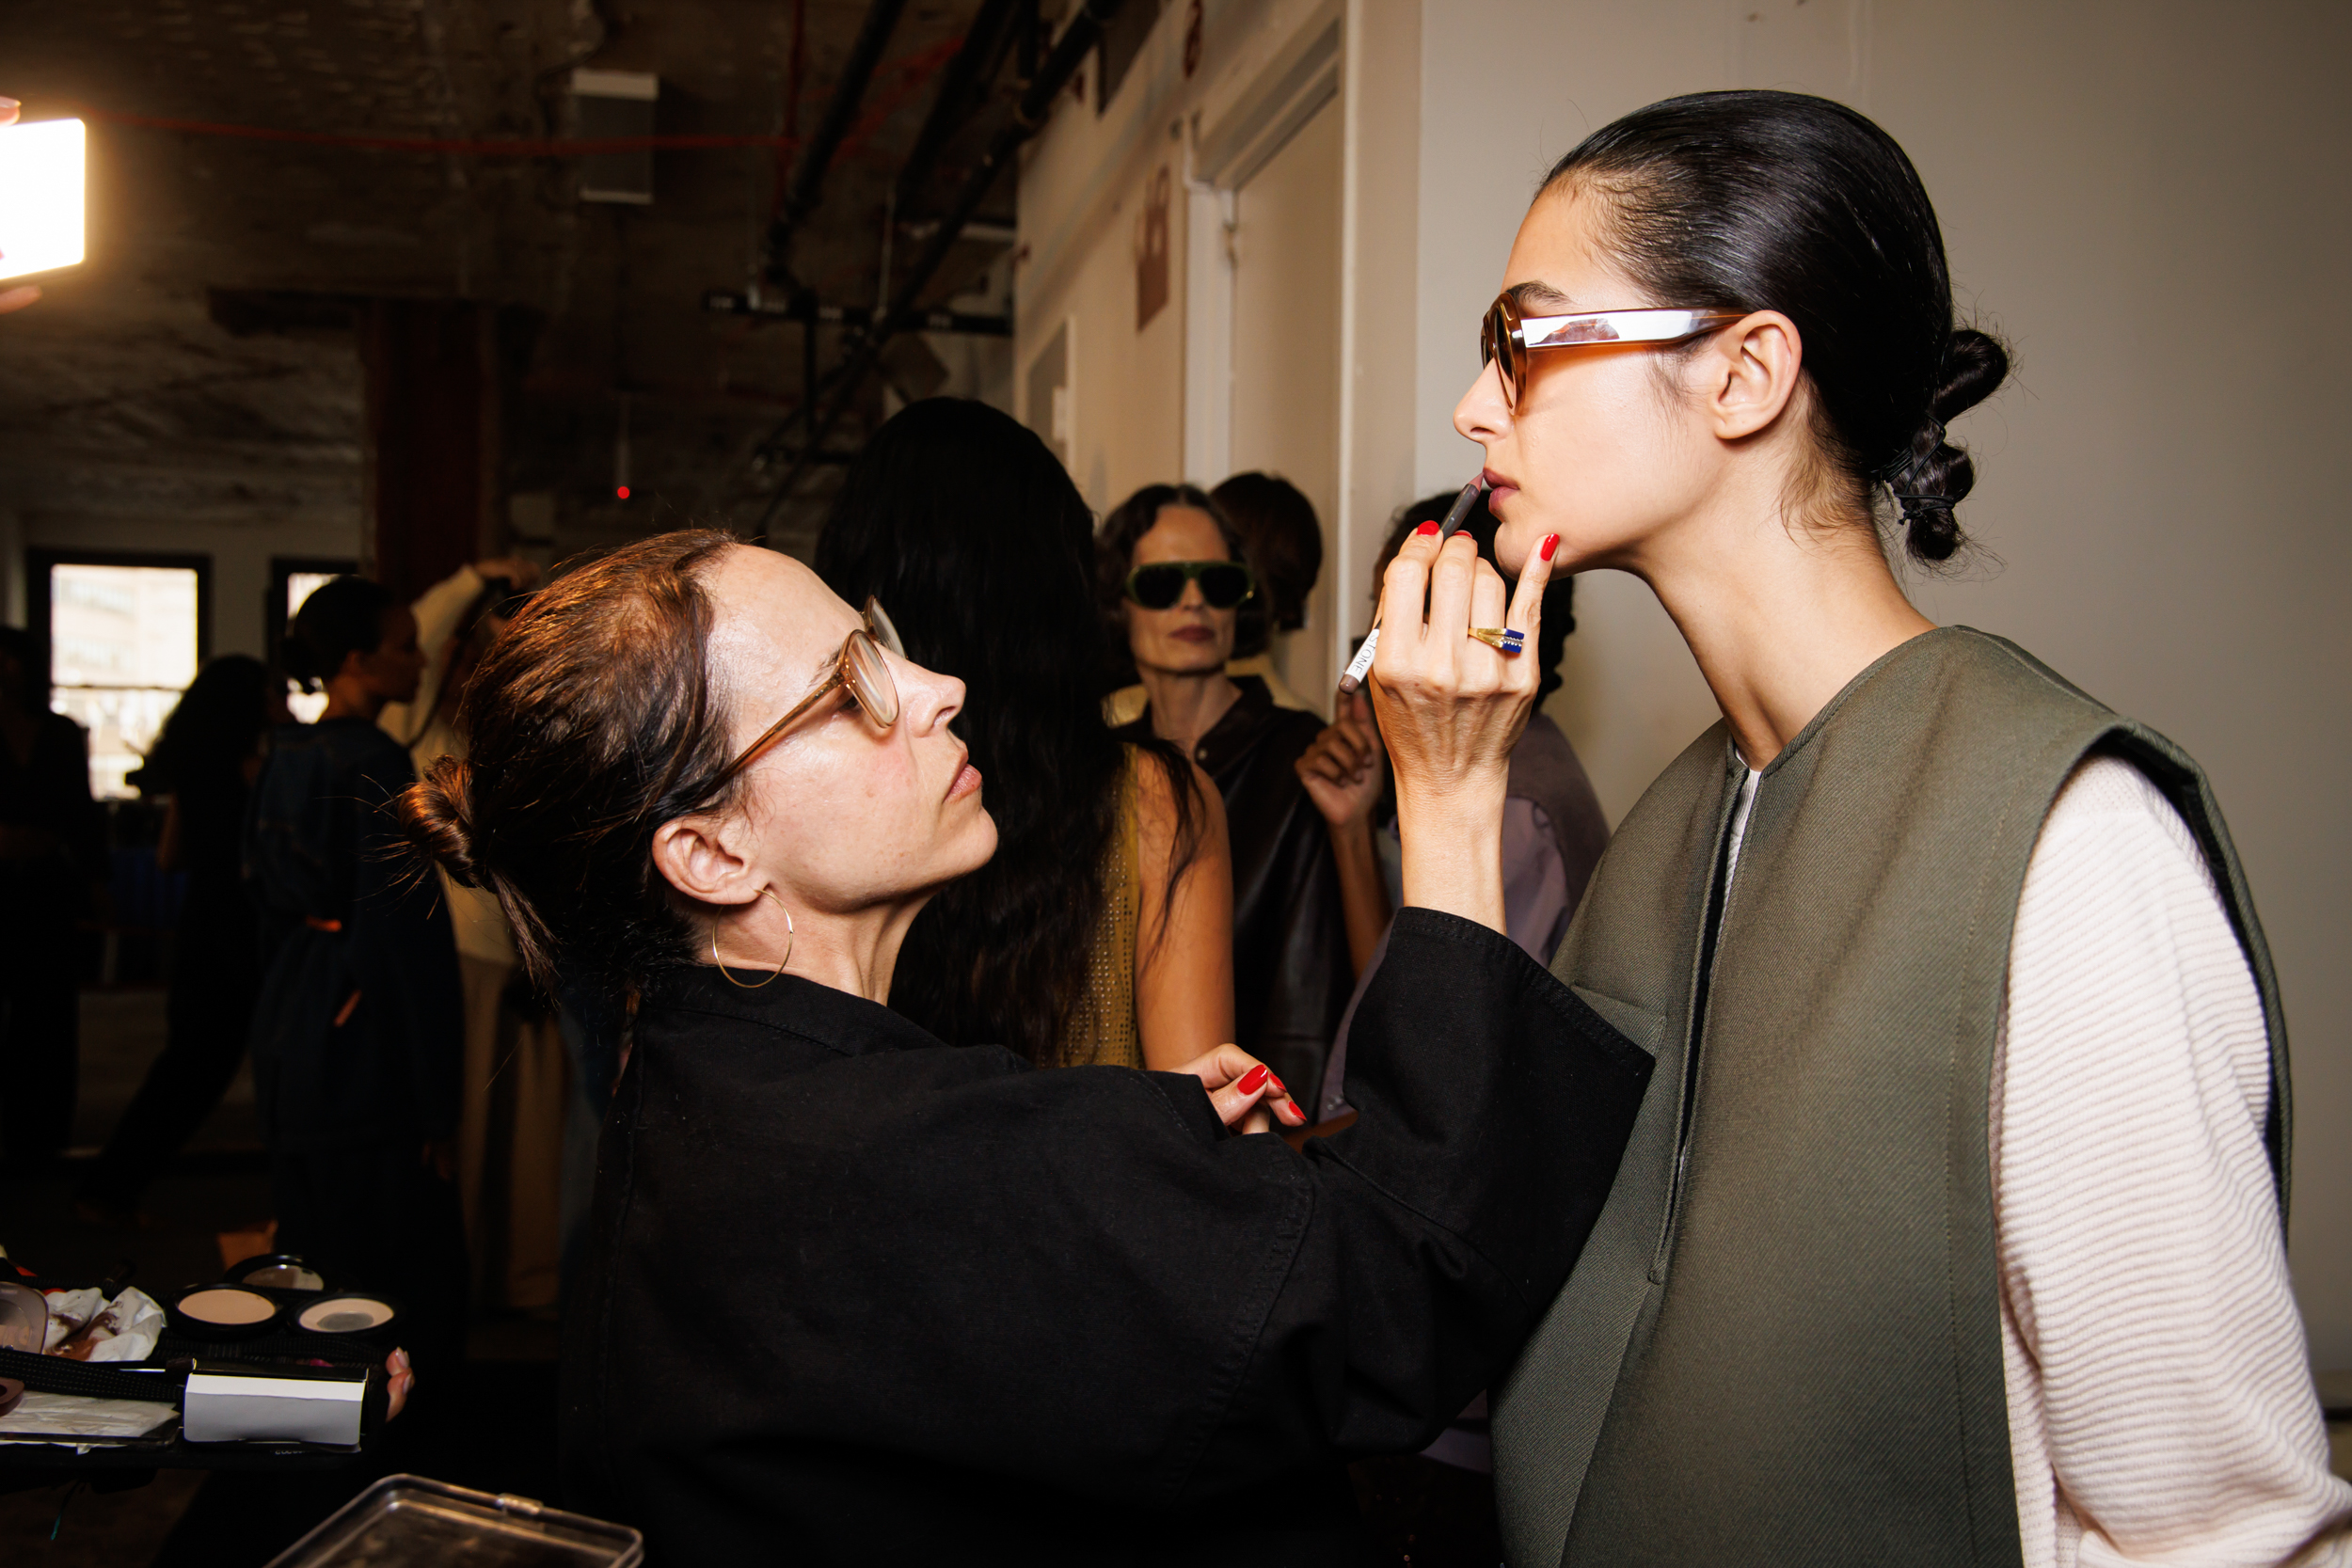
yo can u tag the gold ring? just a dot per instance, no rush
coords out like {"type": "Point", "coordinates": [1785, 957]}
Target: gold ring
{"type": "Point", "coordinates": [1503, 639]}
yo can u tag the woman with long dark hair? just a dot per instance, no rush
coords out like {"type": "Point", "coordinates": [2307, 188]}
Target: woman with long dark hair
{"type": "Point", "coordinates": [857, 1295]}
{"type": "Point", "coordinates": [1100, 933]}
{"type": "Point", "coordinates": [1952, 1228]}
{"type": "Point", "coordinates": [203, 765]}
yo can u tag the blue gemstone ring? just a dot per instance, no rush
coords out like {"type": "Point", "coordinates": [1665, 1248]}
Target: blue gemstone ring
{"type": "Point", "coordinates": [1503, 639]}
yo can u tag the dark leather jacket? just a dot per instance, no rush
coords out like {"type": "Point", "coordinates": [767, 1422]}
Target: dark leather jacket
{"type": "Point", "coordinates": [1292, 977]}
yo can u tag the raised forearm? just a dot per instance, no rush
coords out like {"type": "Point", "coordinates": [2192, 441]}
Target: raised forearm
{"type": "Point", "coordinates": [1363, 897]}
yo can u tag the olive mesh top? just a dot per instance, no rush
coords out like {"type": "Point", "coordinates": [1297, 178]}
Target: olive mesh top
{"type": "Point", "coordinates": [1103, 1031]}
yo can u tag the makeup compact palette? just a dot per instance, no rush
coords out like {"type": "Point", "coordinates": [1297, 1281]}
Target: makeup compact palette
{"type": "Point", "coordinates": [348, 1313]}
{"type": "Point", "coordinates": [222, 1311]}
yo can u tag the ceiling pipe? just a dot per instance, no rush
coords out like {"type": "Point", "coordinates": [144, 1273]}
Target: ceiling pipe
{"type": "Point", "coordinates": [808, 185]}
{"type": "Point", "coordinates": [959, 86]}
{"type": "Point", "coordinates": [1028, 118]}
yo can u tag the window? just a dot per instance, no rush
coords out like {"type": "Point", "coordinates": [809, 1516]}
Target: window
{"type": "Point", "coordinates": [125, 637]}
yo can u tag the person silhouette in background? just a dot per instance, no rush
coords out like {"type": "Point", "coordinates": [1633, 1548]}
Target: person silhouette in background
{"type": "Point", "coordinates": [359, 1037]}
{"type": "Point", "coordinates": [1282, 541]}
{"type": "Point", "coordinates": [52, 853]}
{"type": "Point", "coordinates": [203, 765]}
{"type": "Point", "coordinates": [511, 1112]}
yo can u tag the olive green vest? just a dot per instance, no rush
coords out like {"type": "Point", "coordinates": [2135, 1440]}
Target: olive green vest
{"type": "Point", "coordinates": [1782, 1345]}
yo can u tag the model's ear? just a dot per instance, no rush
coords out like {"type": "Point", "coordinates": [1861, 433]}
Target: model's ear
{"type": "Point", "coordinates": [1750, 371]}
{"type": "Point", "coordinates": [701, 857]}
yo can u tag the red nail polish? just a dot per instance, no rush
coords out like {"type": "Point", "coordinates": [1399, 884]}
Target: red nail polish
{"type": "Point", "coordinates": [1551, 543]}
{"type": "Point", "coordinates": [1278, 1083]}
{"type": "Point", "coordinates": [1426, 528]}
{"type": "Point", "coordinates": [1254, 1080]}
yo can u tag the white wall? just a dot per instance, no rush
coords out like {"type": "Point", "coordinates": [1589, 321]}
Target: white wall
{"type": "Point", "coordinates": [2148, 201]}
{"type": "Point", "coordinates": [1158, 404]}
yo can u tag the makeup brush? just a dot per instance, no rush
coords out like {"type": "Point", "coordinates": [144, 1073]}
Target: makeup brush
{"type": "Point", "coordinates": [1361, 666]}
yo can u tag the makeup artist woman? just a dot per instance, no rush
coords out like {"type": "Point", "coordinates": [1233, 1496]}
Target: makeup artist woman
{"type": "Point", "coordinates": [858, 1297]}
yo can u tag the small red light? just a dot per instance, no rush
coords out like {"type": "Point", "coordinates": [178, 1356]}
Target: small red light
{"type": "Point", "coordinates": [622, 491]}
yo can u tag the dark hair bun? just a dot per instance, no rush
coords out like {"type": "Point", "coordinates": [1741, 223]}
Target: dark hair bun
{"type": "Point", "coordinates": [1938, 475]}
{"type": "Point", "coordinates": [435, 815]}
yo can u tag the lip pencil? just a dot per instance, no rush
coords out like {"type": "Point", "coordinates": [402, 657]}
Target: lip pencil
{"type": "Point", "coordinates": [1361, 666]}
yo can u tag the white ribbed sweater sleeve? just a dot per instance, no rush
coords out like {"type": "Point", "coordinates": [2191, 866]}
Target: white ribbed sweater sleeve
{"type": "Point", "coordinates": [2160, 1405]}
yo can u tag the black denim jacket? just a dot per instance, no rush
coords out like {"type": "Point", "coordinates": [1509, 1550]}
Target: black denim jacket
{"type": "Point", "coordinates": [855, 1295]}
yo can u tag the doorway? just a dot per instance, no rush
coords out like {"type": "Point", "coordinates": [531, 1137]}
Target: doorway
{"type": "Point", "coordinates": [1285, 403]}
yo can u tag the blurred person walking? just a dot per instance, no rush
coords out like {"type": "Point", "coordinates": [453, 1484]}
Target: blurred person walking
{"type": "Point", "coordinates": [359, 1037]}
{"type": "Point", "coordinates": [1101, 931]}
{"type": "Point", "coordinates": [53, 855]}
{"type": "Point", "coordinates": [204, 765]}
{"type": "Point", "coordinates": [512, 1106]}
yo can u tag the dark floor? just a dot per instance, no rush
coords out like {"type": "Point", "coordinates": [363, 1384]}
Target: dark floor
{"type": "Point", "coordinates": [491, 1426]}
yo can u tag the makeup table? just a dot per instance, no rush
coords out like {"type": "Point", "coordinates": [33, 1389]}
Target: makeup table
{"type": "Point", "coordinates": [355, 1362]}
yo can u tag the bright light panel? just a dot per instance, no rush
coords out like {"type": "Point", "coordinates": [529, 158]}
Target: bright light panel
{"type": "Point", "coordinates": [40, 196]}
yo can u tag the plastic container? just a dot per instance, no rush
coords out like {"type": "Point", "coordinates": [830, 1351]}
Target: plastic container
{"type": "Point", "coordinates": [405, 1520]}
{"type": "Point", "coordinates": [24, 1317]}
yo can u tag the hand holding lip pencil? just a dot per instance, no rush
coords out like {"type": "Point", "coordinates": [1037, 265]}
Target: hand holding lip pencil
{"type": "Point", "coordinates": [1361, 666]}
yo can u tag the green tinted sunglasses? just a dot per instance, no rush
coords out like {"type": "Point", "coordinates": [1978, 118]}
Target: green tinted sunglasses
{"type": "Point", "coordinates": [1224, 584]}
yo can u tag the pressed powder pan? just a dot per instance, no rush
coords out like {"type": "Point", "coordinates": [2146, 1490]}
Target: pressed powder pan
{"type": "Point", "coordinates": [222, 1311]}
{"type": "Point", "coordinates": [347, 1312]}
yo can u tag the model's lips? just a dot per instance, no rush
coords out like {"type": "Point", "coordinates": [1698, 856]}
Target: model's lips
{"type": "Point", "coordinates": [1496, 482]}
{"type": "Point", "coordinates": [1193, 634]}
{"type": "Point", "coordinates": [966, 781]}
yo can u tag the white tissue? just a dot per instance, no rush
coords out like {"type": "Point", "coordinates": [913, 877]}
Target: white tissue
{"type": "Point", "coordinates": [127, 1330]}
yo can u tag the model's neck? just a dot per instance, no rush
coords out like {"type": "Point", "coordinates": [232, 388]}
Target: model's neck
{"type": "Point", "coordinates": [1186, 705]}
{"type": "Point", "coordinates": [1781, 617]}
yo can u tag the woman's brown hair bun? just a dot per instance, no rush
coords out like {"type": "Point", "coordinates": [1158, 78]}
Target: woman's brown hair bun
{"type": "Point", "coordinates": [432, 815]}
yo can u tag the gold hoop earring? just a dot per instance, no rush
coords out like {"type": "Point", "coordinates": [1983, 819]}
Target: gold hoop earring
{"type": "Point", "coordinates": [791, 937]}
